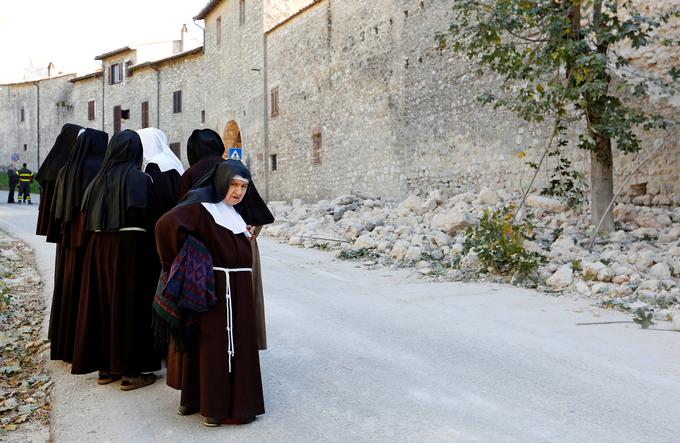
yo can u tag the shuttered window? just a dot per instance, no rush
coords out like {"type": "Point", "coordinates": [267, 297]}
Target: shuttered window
{"type": "Point", "coordinates": [115, 74]}
{"type": "Point", "coordinates": [176, 102]}
{"type": "Point", "coordinates": [90, 110]}
{"type": "Point", "coordinates": [275, 101]}
{"type": "Point", "coordinates": [145, 114]}
{"type": "Point", "coordinates": [316, 148]}
{"type": "Point", "coordinates": [117, 113]}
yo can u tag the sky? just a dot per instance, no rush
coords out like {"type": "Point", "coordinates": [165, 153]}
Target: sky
{"type": "Point", "coordinates": [70, 33]}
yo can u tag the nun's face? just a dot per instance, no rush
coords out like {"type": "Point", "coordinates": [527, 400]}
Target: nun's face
{"type": "Point", "coordinates": [237, 190]}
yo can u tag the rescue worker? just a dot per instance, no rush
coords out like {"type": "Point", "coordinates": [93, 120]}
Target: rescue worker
{"type": "Point", "coordinates": [25, 180]}
{"type": "Point", "coordinates": [13, 179]}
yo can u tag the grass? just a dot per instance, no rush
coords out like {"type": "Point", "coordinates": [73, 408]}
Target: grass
{"type": "Point", "coordinates": [4, 185]}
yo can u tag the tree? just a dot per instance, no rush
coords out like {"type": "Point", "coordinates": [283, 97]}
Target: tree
{"type": "Point", "coordinates": [560, 58]}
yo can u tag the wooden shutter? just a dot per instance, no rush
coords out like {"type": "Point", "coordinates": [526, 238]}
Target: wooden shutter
{"type": "Point", "coordinates": [316, 148]}
{"type": "Point", "coordinates": [145, 114]}
{"type": "Point", "coordinates": [116, 119]}
{"type": "Point", "coordinates": [90, 110]}
{"type": "Point", "coordinates": [177, 102]}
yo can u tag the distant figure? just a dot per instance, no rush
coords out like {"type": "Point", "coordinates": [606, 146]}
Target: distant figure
{"type": "Point", "coordinates": [25, 180]}
{"type": "Point", "coordinates": [13, 180]}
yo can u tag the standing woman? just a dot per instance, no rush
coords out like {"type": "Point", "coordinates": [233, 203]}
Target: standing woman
{"type": "Point", "coordinates": [114, 333]}
{"type": "Point", "coordinates": [47, 177]}
{"type": "Point", "coordinates": [204, 149]}
{"type": "Point", "coordinates": [213, 356]}
{"type": "Point", "coordinates": [163, 166]}
{"type": "Point", "coordinates": [83, 164]}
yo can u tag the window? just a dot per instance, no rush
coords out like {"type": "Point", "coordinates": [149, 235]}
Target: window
{"type": "Point", "coordinates": [125, 114]}
{"type": "Point", "coordinates": [116, 118]}
{"type": "Point", "coordinates": [22, 114]}
{"type": "Point", "coordinates": [316, 148]}
{"type": "Point", "coordinates": [115, 74]}
{"type": "Point", "coordinates": [176, 102]}
{"type": "Point", "coordinates": [241, 12]}
{"type": "Point", "coordinates": [202, 116]}
{"type": "Point", "coordinates": [218, 30]}
{"type": "Point", "coordinates": [275, 102]}
{"type": "Point", "coordinates": [145, 114]}
{"type": "Point", "coordinates": [175, 147]}
{"type": "Point", "coordinates": [272, 162]}
{"type": "Point", "coordinates": [25, 147]}
{"type": "Point", "coordinates": [90, 110]}
{"type": "Point", "coordinates": [128, 71]}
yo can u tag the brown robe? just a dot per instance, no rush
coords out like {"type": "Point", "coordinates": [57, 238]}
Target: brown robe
{"type": "Point", "coordinates": [201, 372]}
{"type": "Point", "coordinates": [66, 295]}
{"type": "Point", "coordinates": [120, 274]}
{"type": "Point", "coordinates": [190, 177]}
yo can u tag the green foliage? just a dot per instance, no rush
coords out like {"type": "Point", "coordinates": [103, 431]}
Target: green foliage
{"type": "Point", "coordinates": [4, 296]}
{"type": "Point", "coordinates": [499, 243]}
{"type": "Point", "coordinates": [4, 185]}
{"type": "Point", "coordinates": [556, 59]}
{"type": "Point", "coordinates": [643, 317]}
{"type": "Point", "coordinates": [576, 265]}
{"type": "Point", "coordinates": [358, 254]}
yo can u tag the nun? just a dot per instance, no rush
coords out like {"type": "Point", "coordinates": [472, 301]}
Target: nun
{"type": "Point", "coordinates": [47, 177]}
{"type": "Point", "coordinates": [204, 303]}
{"type": "Point", "coordinates": [163, 166]}
{"type": "Point", "coordinates": [204, 149]}
{"type": "Point", "coordinates": [120, 272]}
{"type": "Point", "coordinates": [82, 165]}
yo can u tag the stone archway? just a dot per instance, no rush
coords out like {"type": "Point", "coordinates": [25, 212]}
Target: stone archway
{"type": "Point", "coordinates": [231, 136]}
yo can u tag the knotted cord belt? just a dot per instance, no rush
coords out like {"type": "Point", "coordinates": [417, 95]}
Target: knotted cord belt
{"type": "Point", "coordinates": [231, 351]}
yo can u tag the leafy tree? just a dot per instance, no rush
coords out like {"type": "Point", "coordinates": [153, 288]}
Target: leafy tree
{"type": "Point", "coordinates": [560, 58]}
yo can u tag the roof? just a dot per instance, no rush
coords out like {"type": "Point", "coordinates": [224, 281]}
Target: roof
{"type": "Point", "coordinates": [206, 9]}
{"type": "Point", "coordinates": [300, 12]}
{"type": "Point", "coordinates": [112, 53]}
{"type": "Point", "coordinates": [86, 76]}
{"type": "Point", "coordinates": [161, 61]}
{"type": "Point", "coordinates": [30, 82]}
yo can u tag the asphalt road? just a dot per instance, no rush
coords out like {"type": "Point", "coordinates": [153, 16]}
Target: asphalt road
{"type": "Point", "coordinates": [380, 355]}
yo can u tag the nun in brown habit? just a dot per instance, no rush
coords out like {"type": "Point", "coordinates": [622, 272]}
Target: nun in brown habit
{"type": "Point", "coordinates": [83, 164]}
{"type": "Point", "coordinates": [120, 271]}
{"type": "Point", "coordinates": [208, 312]}
{"type": "Point", "coordinates": [204, 149]}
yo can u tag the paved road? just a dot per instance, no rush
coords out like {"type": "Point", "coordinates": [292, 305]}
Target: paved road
{"type": "Point", "coordinates": [379, 355]}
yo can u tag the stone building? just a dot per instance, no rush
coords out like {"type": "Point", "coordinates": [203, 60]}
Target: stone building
{"type": "Point", "coordinates": [323, 97]}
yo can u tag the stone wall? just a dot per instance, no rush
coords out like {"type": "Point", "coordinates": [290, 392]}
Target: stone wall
{"type": "Point", "coordinates": [393, 113]}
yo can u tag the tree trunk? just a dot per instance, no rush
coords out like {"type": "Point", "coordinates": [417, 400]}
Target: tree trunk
{"type": "Point", "coordinates": [601, 183]}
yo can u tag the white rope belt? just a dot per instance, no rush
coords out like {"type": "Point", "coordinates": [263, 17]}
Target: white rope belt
{"type": "Point", "coordinates": [132, 228]}
{"type": "Point", "coordinates": [231, 351]}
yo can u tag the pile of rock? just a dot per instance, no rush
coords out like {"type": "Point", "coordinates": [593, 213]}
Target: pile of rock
{"type": "Point", "coordinates": [636, 266]}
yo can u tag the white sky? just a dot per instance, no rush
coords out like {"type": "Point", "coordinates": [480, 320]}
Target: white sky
{"type": "Point", "coordinates": [70, 33]}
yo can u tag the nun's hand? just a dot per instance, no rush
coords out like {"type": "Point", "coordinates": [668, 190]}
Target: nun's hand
{"type": "Point", "coordinates": [251, 230]}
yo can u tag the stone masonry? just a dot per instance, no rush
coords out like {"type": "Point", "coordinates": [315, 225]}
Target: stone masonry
{"type": "Point", "coordinates": [366, 103]}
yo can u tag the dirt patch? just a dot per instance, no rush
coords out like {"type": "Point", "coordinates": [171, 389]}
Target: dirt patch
{"type": "Point", "coordinates": [24, 382]}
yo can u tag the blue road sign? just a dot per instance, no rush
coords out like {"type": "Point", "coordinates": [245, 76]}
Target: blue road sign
{"type": "Point", "coordinates": [15, 157]}
{"type": "Point", "coordinates": [235, 153]}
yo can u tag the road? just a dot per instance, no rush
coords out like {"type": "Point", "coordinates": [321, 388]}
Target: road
{"type": "Point", "coordinates": [380, 355]}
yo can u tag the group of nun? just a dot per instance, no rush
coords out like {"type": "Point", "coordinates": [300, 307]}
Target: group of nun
{"type": "Point", "coordinates": [157, 263]}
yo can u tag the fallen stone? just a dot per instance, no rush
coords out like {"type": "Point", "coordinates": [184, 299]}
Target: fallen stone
{"type": "Point", "coordinates": [452, 222]}
{"type": "Point", "coordinates": [562, 278]}
{"type": "Point", "coordinates": [546, 203]}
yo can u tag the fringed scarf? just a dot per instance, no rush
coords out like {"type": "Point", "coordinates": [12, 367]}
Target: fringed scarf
{"type": "Point", "coordinates": [183, 293]}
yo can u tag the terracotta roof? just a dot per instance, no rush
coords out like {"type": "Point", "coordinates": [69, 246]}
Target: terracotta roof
{"type": "Point", "coordinates": [154, 63]}
{"type": "Point", "coordinates": [86, 76]}
{"type": "Point", "coordinates": [300, 12]}
{"type": "Point", "coordinates": [114, 52]}
{"type": "Point", "coordinates": [206, 9]}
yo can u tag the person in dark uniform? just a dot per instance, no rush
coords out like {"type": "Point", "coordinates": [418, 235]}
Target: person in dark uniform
{"type": "Point", "coordinates": [25, 180]}
{"type": "Point", "coordinates": [13, 180]}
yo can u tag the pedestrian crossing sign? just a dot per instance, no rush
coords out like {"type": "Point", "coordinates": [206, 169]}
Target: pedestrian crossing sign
{"type": "Point", "coordinates": [235, 153]}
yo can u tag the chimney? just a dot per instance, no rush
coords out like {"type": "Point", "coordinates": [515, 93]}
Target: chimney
{"type": "Point", "coordinates": [181, 42]}
{"type": "Point", "coordinates": [50, 66]}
